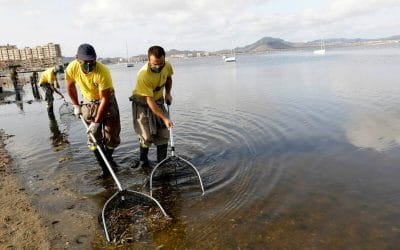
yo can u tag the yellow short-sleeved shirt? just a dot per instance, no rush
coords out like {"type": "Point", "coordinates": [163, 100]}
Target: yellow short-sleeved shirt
{"type": "Point", "coordinates": [89, 84]}
{"type": "Point", "coordinates": [48, 76]}
{"type": "Point", "coordinates": [151, 84]}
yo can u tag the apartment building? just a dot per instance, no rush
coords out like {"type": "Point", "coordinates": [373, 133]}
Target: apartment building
{"type": "Point", "coordinates": [29, 59]}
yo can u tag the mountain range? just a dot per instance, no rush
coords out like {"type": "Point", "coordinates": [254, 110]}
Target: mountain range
{"type": "Point", "coordinates": [263, 45]}
{"type": "Point", "coordinates": [272, 44]}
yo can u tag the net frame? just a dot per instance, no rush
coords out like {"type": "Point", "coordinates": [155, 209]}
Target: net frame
{"type": "Point", "coordinates": [124, 197]}
{"type": "Point", "coordinates": [121, 193]}
{"type": "Point", "coordinates": [174, 159]}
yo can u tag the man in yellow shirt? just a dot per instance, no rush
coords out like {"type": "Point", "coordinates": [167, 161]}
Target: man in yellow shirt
{"type": "Point", "coordinates": [150, 119]}
{"type": "Point", "coordinates": [99, 107]}
{"type": "Point", "coordinates": [47, 82]}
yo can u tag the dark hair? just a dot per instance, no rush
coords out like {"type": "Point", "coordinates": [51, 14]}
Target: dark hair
{"type": "Point", "coordinates": [156, 51]}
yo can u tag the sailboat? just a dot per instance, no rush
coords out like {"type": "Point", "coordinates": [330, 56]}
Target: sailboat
{"type": "Point", "coordinates": [231, 58]}
{"type": "Point", "coordinates": [320, 51]}
{"type": "Point", "coordinates": [128, 61]}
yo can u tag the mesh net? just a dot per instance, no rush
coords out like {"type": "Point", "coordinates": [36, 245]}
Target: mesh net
{"type": "Point", "coordinates": [132, 217]}
{"type": "Point", "coordinates": [174, 172]}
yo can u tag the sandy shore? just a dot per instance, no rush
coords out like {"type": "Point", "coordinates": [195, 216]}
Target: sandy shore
{"type": "Point", "coordinates": [21, 226]}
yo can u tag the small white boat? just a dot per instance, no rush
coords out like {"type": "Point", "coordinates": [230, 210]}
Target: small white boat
{"type": "Point", "coordinates": [128, 63]}
{"type": "Point", "coordinates": [232, 56]}
{"type": "Point", "coordinates": [230, 59]}
{"type": "Point", "coordinates": [320, 51]}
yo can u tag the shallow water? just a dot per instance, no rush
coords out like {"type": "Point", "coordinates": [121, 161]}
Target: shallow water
{"type": "Point", "coordinates": [295, 151]}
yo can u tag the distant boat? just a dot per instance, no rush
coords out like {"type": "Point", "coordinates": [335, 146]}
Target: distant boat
{"type": "Point", "coordinates": [128, 63]}
{"type": "Point", "coordinates": [320, 51]}
{"type": "Point", "coordinates": [231, 58]}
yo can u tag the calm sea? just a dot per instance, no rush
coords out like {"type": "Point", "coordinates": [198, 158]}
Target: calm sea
{"type": "Point", "coordinates": [296, 151]}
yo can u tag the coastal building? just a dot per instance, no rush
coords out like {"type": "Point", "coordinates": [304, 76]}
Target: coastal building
{"type": "Point", "coordinates": [30, 59]}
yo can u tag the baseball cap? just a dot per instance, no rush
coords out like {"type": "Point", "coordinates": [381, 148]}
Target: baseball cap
{"type": "Point", "coordinates": [86, 52]}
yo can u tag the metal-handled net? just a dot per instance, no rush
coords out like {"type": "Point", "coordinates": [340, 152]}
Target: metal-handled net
{"type": "Point", "coordinates": [177, 167]}
{"type": "Point", "coordinates": [130, 216]}
{"type": "Point", "coordinates": [127, 209]}
{"type": "Point", "coordinates": [177, 172]}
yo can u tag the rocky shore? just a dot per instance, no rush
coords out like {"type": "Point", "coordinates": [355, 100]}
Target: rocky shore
{"type": "Point", "coordinates": [21, 226]}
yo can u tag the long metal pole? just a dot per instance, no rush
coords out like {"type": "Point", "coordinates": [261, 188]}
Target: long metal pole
{"type": "Point", "coordinates": [102, 155]}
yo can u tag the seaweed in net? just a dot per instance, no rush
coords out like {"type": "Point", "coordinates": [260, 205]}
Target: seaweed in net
{"type": "Point", "coordinates": [131, 218]}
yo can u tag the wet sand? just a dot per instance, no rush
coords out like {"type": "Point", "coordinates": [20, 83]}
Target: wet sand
{"type": "Point", "coordinates": [21, 225]}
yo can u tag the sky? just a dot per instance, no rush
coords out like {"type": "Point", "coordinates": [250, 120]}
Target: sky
{"type": "Point", "coordinates": [123, 27]}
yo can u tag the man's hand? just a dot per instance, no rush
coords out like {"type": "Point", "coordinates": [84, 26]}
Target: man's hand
{"type": "Point", "coordinates": [168, 123]}
{"type": "Point", "coordinates": [168, 99]}
{"type": "Point", "coordinates": [77, 110]}
{"type": "Point", "coordinates": [93, 127]}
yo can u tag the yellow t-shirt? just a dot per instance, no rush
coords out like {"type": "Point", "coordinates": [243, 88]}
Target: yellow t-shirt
{"type": "Point", "coordinates": [92, 83]}
{"type": "Point", "coordinates": [152, 84]}
{"type": "Point", "coordinates": [48, 76]}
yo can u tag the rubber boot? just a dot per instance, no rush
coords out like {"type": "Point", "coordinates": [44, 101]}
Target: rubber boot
{"type": "Point", "coordinates": [161, 152]}
{"type": "Point", "coordinates": [109, 152]}
{"type": "Point", "coordinates": [103, 166]}
{"type": "Point", "coordinates": [143, 159]}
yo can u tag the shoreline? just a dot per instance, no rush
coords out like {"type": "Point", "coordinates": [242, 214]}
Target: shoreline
{"type": "Point", "coordinates": [21, 224]}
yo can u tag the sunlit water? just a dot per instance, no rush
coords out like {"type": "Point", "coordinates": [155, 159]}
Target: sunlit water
{"type": "Point", "coordinates": [295, 151]}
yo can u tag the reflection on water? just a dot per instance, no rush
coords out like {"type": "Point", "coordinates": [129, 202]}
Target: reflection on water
{"type": "Point", "coordinates": [295, 151]}
{"type": "Point", "coordinates": [59, 138]}
{"type": "Point", "coordinates": [18, 99]}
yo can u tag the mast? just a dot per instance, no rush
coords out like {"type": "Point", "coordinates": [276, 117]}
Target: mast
{"type": "Point", "coordinates": [127, 55]}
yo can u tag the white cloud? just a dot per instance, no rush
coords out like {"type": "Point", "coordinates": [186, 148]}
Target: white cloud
{"type": "Point", "coordinates": [347, 18]}
{"type": "Point", "coordinates": [195, 24]}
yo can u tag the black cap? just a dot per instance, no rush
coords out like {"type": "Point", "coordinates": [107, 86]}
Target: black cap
{"type": "Point", "coordinates": [86, 52]}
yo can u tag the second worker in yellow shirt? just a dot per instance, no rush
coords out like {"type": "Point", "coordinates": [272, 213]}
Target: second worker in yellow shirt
{"type": "Point", "coordinates": [150, 118]}
{"type": "Point", "coordinates": [48, 82]}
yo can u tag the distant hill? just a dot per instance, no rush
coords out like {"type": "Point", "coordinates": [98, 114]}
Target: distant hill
{"type": "Point", "coordinates": [265, 44]}
{"type": "Point", "coordinates": [271, 43]}
{"type": "Point", "coordinates": [393, 38]}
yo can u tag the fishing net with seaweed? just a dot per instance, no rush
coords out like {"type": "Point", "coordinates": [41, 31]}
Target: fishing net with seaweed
{"type": "Point", "coordinates": [126, 211]}
{"type": "Point", "coordinates": [130, 216]}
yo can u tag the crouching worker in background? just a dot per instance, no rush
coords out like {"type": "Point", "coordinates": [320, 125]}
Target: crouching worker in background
{"type": "Point", "coordinates": [48, 82]}
{"type": "Point", "coordinates": [99, 107]}
{"type": "Point", "coordinates": [150, 118]}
